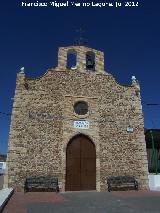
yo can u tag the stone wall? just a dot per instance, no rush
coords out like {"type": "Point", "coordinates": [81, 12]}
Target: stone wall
{"type": "Point", "coordinates": [43, 116]}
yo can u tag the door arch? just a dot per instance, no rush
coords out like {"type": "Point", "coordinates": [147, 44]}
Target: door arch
{"type": "Point", "coordinates": [80, 164]}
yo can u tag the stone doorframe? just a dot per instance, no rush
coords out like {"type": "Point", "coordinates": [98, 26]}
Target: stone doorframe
{"type": "Point", "coordinates": [95, 141]}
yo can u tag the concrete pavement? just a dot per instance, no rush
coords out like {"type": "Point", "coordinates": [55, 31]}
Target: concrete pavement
{"type": "Point", "coordinates": [84, 202]}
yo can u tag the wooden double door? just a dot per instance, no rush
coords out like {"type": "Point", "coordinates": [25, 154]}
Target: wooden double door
{"type": "Point", "coordinates": [80, 164]}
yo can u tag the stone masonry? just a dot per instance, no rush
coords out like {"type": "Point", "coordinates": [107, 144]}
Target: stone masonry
{"type": "Point", "coordinates": [43, 115]}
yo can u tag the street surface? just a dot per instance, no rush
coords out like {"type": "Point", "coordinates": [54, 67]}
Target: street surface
{"type": "Point", "coordinates": [84, 202]}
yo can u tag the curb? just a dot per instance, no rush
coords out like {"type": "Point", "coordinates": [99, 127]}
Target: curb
{"type": "Point", "coordinates": [5, 195]}
{"type": "Point", "coordinates": [155, 188]}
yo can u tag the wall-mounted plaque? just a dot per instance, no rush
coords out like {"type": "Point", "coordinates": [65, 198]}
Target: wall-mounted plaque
{"type": "Point", "coordinates": [81, 124]}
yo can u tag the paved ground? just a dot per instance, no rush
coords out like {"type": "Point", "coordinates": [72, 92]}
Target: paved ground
{"type": "Point", "coordinates": [84, 202]}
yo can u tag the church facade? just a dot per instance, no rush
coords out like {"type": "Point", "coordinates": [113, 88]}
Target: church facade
{"type": "Point", "coordinates": [78, 124]}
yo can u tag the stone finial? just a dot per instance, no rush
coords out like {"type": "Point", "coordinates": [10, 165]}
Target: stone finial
{"type": "Point", "coordinates": [22, 70]}
{"type": "Point", "coordinates": [133, 78]}
{"type": "Point", "coordinates": [21, 74]}
{"type": "Point", "coordinates": [136, 85]}
{"type": "Point", "coordinates": [134, 81]}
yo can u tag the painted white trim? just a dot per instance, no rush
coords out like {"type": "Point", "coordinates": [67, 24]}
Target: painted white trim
{"type": "Point", "coordinates": [154, 182]}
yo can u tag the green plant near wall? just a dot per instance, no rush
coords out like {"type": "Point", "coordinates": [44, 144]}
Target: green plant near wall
{"type": "Point", "coordinates": [154, 158]}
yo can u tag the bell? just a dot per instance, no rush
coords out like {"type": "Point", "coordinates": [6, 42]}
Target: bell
{"type": "Point", "coordinates": [89, 63]}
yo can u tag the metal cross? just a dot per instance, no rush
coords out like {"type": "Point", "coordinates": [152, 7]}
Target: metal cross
{"type": "Point", "coordinates": [80, 40]}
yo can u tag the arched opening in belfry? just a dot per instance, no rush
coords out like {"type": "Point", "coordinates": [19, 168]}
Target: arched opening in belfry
{"type": "Point", "coordinates": [80, 164]}
{"type": "Point", "coordinates": [71, 59]}
{"type": "Point", "coordinates": [90, 60]}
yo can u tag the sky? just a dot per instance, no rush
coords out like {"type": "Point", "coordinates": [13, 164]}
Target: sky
{"type": "Point", "coordinates": [129, 36]}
